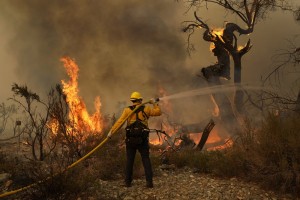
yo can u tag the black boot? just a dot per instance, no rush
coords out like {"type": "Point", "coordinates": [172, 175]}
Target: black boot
{"type": "Point", "coordinates": [127, 184]}
{"type": "Point", "coordinates": [149, 184]}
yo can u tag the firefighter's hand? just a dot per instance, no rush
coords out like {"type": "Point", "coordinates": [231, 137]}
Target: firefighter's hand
{"type": "Point", "coordinates": [109, 134]}
{"type": "Point", "coordinates": [152, 101]}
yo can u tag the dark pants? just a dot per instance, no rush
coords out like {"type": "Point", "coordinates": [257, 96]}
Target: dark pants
{"type": "Point", "coordinates": [130, 153]}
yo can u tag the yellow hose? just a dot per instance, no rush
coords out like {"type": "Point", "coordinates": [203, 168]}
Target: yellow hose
{"type": "Point", "coordinates": [76, 162]}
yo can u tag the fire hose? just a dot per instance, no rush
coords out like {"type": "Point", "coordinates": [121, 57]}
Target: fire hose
{"type": "Point", "coordinates": [79, 160]}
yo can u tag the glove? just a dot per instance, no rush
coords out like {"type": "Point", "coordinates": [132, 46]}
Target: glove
{"type": "Point", "coordinates": [109, 134]}
{"type": "Point", "coordinates": [154, 100]}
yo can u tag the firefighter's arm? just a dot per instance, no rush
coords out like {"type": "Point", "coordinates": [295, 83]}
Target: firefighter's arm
{"type": "Point", "coordinates": [154, 111]}
{"type": "Point", "coordinates": [118, 124]}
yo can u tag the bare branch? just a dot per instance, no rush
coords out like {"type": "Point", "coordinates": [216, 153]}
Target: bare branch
{"type": "Point", "coordinates": [284, 59]}
{"type": "Point", "coordinates": [246, 48]}
{"type": "Point", "coordinates": [191, 28]}
{"type": "Point", "coordinates": [202, 24]}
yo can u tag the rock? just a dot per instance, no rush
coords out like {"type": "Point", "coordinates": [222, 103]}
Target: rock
{"type": "Point", "coordinates": [8, 183]}
{"type": "Point", "coordinates": [167, 167]}
{"type": "Point", "coordinates": [128, 198]}
{"type": "Point", "coordinates": [4, 177]}
{"type": "Point", "coordinates": [165, 174]}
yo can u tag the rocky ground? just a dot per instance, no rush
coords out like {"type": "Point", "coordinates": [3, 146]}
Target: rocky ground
{"type": "Point", "coordinates": [180, 184]}
{"type": "Point", "coordinates": [177, 184]}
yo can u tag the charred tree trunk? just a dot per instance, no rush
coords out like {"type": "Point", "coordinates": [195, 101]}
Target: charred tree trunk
{"type": "Point", "coordinates": [205, 134]}
{"type": "Point", "coordinates": [229, 41]}
{"type": "Point", "coordinates": [41, 147]}
{"type": "Point", "coordinates": [226, 46]}
{"type": "Point", "coordinates": [239, 94]}
{"type": "Point", "coordinates": [33, 149]}
{"type": "Point", "coordinates": [297, 108]}
{"type": "Point", "coordinates": [213, 74]}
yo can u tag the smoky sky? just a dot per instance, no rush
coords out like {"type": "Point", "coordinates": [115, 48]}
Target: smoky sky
{"type": "Point", "coordinates": [120, 46]}
{"type": "Point", "coordinates": [123, 46]}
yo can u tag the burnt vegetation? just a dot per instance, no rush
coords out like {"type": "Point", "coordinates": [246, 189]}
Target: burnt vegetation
{"type": "Point", "coordinates": [265, 152]}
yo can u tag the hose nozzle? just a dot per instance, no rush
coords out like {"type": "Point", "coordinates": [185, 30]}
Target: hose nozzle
{"type": "Point", "coordinates": [154, 100]}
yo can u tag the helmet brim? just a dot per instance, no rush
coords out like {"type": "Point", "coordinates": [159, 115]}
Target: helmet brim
{"type": "Point", "coordinates": [135, 99]}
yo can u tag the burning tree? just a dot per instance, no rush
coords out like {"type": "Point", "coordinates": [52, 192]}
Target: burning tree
{"type": "Point", "coordinates": [70, 121]}
{"type": "Point", "coordinates": [226, 41]}
{"type": "Point", "coordinates": [63, 119]}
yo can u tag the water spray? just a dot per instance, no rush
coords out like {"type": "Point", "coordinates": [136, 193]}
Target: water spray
{"type": "Point", "coordinates": [212, 89]}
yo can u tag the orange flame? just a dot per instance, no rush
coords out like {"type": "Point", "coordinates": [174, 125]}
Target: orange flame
{"type": "Point", "coordinates": [81, 121]}
{"type": "Point", "coordinates": [167, 109]}
{"type": "Point", "coordinates": [216, 111]}
{"type": "Point", "coordinates": [212, 46]}
{"type": "Point", "coordinates": [155, 141]}
{"type": "Point", "coordinates": [218, 137]}
{"type": "Point", "coordinates": [218, 32]}
{"type": "Point", "coordinates": [78, 112]}
{"type": "Point", "coordinates": [240, 47]}
{"type": "Point", "coordinates": [215, 141]}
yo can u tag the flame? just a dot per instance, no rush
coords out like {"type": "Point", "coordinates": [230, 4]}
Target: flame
{"type": "Point", "coordinates": [218, 32]}
{"type": "Point", "coordinates": [156, 141]}
{"type": "Point", "coordinates": [218, 137]}
{"type": "Point", "coordinates": [240, 48]}
{"type": "Point", "coordinates": [212, 46]}
{"type": "Point", "coordinates": [216, 111]}
{"type": "Point", "coordinates": [228, 143]}
{"type": "Point", "coordinates": [81, 121]}
{"type": "Point", "coordinates": [214, 137]}
{"type": "Point", "coordinates": [167, 108]}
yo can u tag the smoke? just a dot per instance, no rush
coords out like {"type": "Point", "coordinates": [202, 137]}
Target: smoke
{"type": "Point", "coordinates": [124, 46]}
{"type": "Point", "coordinates": [120, 46]}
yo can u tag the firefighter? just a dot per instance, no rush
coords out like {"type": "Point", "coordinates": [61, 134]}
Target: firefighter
{"type": "Point", "coordinates": [137, 136]}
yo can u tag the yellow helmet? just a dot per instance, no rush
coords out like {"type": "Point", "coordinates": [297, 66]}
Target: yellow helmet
{"type": "Point", "coordinates": [135, 96]}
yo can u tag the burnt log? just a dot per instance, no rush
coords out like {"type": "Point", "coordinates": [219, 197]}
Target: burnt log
{"type": "Point", "coordinates": [205, 135]}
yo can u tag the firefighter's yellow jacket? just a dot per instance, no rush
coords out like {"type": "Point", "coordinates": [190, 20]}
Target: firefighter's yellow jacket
{"type": "Point", "coordinates": [149, 111]}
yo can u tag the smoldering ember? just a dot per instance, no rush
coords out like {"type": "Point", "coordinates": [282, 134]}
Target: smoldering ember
{"type": "Point", "coordinates": [206, 91]}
